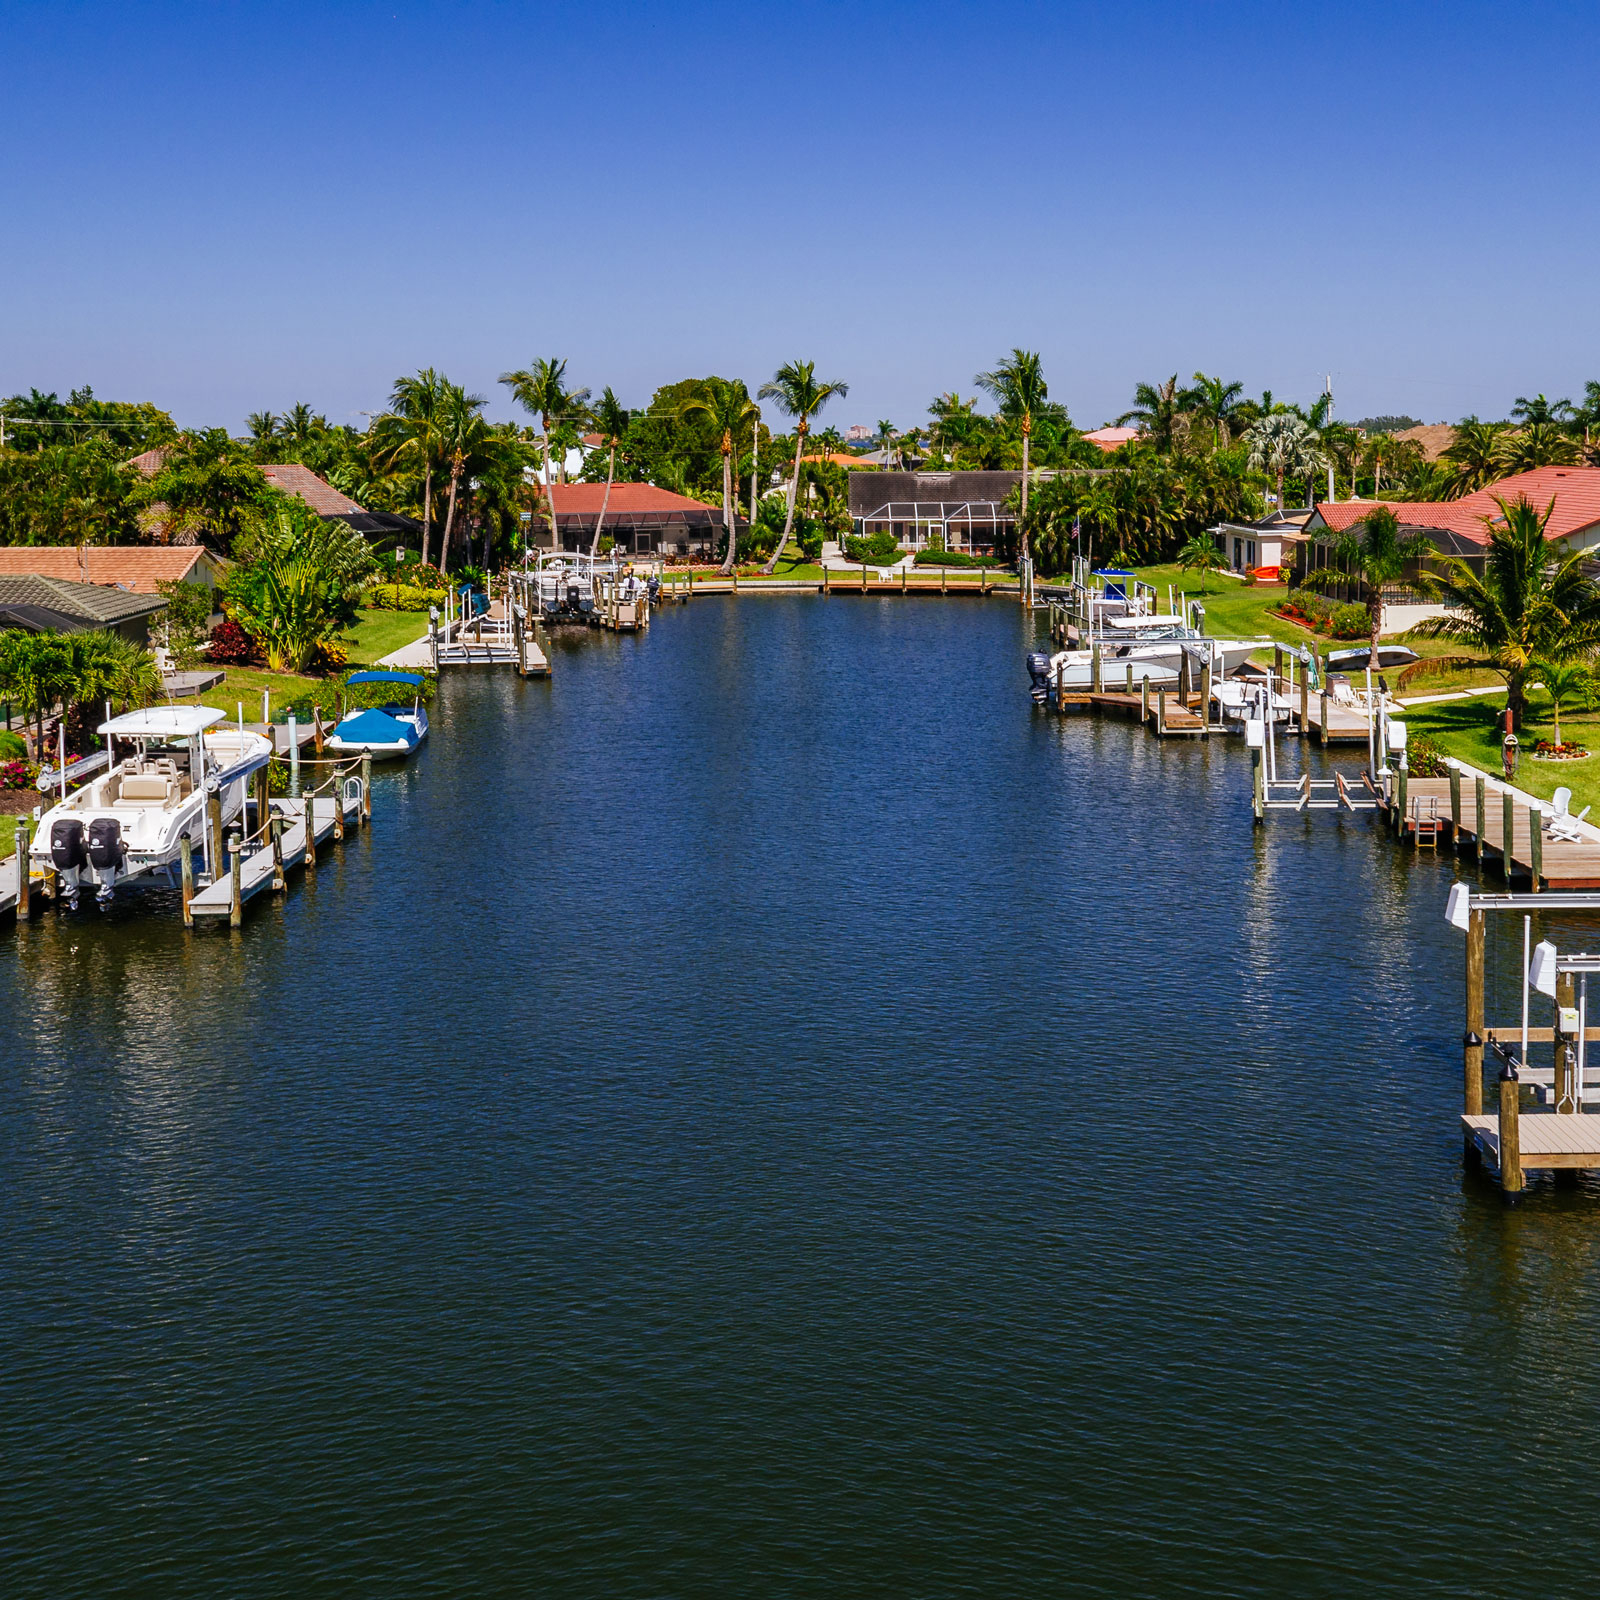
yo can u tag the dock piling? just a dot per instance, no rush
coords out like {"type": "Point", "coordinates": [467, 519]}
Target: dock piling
{"type": "Point", "coordinates": [1566, 1095]}
{"type": "Point", "coordinates": [1322, 731]}
{"type": "Point", "coordinates": [1535, 846]}
{"type": "Point", "coordinates": [1508, 831]}
{"type": "Point", "coordinates": [1511, 1180]}
{"type": "Point", "coordinates": [1455, 808]}
{"type": "Point", "coordinates": [186, 864]}
{"type": "Point", "coordinates": [1305, 700]}
{"type": "Point", "coordinates": [1478, 798]}
{"type": "Point", "coordinates": [1161, 713]}
{"type": "Point", "coordinates": [366, 786]}
{"type": "Point", "coordinates": [1472, 1040]}
{"type": "Point", "coordinates": [235, 875]}
{"type": "Point", "coordinates": [24, 880]}
{"type": "Point", "coordinates": [1205, 700]}
{"type": "Point", "coordinates": [279, 881]}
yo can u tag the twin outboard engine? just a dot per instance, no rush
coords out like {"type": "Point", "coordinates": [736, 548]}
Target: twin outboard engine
{"type": "Point", "coordinates": [107, 848]}
{"type": "Point", "coordinates": [68, 855]}
{"type": "Point", "coordinates": [1039, 672]}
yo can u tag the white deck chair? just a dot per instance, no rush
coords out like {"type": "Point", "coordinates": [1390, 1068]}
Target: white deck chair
{"type": "Point", "coordinates": [1562, 822]}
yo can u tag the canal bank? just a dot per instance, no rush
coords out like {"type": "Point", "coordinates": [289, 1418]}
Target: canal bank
{"type": "Point", "coordinates": [788, 1099]}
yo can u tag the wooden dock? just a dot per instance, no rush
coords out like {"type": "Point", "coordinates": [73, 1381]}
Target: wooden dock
{"type": "Point", "coordinates": [306, 825]}
{"type": "Point", "coordinates": [1501, 825]}
{"type": "Point", "coordinates": [1164, 711]}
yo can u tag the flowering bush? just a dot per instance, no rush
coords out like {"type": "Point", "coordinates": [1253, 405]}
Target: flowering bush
{"type": "Point", "coordinates": [231, 645]}
{"type": "Point", "coordinates": [18, 774]}
{"type": "Point", "coordinates": [1569, 750]}
{"type": "Point", "coordinates": [328, 657]}
{"type": "Point", "coordinates": [400, 597]}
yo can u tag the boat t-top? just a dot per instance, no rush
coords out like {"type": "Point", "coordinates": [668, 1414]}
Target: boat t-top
{"type": "Point", "coordinates": [132, 824]}
{"type": "Point", "coordinates": [382, 731]}
{"type": "Point", "coordinates": [562, 584]}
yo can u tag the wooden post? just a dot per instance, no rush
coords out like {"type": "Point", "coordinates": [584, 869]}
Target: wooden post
{"type": "Point", "coordinates": [1205, 700]}
{"type": "Point", "coordinates": [279, 881]}
{"type": "Point", "coordinates": [1305, 700]}
{"type": "Point", "coordinates": [310, 804]}
{"type": "Point", "coordinates": [1477, 793]}
{"type": "Point", "coordinates": [825, 588]}
{"type": "Point", "coordinates": [1130, 678]}
{"type": "Point", "coordinates": [1563, 1090]}
{"type": "Point", "coordinates": [1455, 807]}
{"type": "Point", "coordinates": [338, 804]}
{"type": "Point", "coordinates": [1185, 678]}
{"type": "Point", "coordinates": [215, 856]}
{"type": "Point", "coordinates": [1322, 732]}
{"type": "Point", "coordinates": [1161, 713]}
{"type": "Point", "coordinates": [1400, 810]}
{"type": "Point", "coordinates": [1472, 1040]}
{"type": "Point", "coordinates": [235, 887]}
{"type": "Point", "coordinates": [366, 786]}
{"type": "Point", "coordinates": [1277, 669]}
{"type": "Point", "coordinates": [1094, 669]}
{"type": "Point", "coordinates": [316, 724]}
{"type": "Point", "coordinates": [24, 870]}
{"type": "Point", "coordinates": [943, 584]}
{"type": "Point", "coordinates": [863, 577]}
{"type": "Point", "coordinates": [1510, 1135]}
{"type": "Point", "coordinates": [1144, 698]}
{"type": "Point", "coordinates": [1258, 787]}
{"type": "Point", "coordinates": [186, 864]}
{"type": "Point", "coordinates": [1535, 847]}
{"type": "Point", "coordinates": [903, 572]}
{"type": "Point", "coordinates": [1508, 831]}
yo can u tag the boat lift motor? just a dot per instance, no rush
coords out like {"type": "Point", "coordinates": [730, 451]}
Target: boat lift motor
{"type": "Point", "coordinates": [1039, 672]}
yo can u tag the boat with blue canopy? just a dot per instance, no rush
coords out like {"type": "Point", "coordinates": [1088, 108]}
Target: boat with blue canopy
{"type": "Point", "coordinates": [382, 731]}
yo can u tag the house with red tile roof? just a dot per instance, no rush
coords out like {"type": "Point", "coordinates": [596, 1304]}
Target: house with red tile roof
{"type": "Point", "coordinates": [1461, 527]}
{"type": "Point", "coordinates": [136, 568]}
{"type": "Point", "coordinates": [1110, 439]}
{"type": "Point", "coordinates": [641, 518]}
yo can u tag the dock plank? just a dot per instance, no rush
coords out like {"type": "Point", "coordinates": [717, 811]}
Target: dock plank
{"type": "Point", "coordinates": [1546, 1139]}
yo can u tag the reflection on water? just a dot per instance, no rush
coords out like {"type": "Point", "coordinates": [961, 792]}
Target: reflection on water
{"type": "Point", "coordinates": [767, 1101]}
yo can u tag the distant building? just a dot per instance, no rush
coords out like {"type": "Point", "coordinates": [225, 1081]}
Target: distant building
{"type": "Point", "coordinates": [136, 568]}
{"type": "Point", "coordinates": [1110, 439]}
{"type": "Point", "coordinates": [333, 505]}
{"type": "Point", "coordinates": [965, 510]}
{"type": "Point", "coordinates": [1262, 548]}
{"type": "Point", "coordinates": [859, 433]}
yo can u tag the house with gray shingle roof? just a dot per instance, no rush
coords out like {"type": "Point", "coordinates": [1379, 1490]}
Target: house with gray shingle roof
{"type": "Point", "coordinates": [40, 605]}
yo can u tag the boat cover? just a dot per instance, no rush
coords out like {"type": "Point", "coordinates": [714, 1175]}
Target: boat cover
{"type": "Point", "coordinates": [375, 727]}
{"type": "Point", "coordinates": [375, 676]}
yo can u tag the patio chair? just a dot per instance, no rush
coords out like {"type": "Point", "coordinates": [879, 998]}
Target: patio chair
{"type": "Point", "coordinates": [1561, 822]}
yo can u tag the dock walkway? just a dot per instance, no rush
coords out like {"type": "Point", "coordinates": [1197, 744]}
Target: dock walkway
{"type": "Point", "coordinates": [262, 868]}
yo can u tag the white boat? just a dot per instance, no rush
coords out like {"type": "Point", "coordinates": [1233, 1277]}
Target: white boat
{"type": "Point", "coordinates": [1153, 647]}
{"type": "Point", "coordinates": [129, 825]}
{"type": "Point", "coordinates": [382, 731]}
{"type": "Point", "coordinates": [1243, 700]}
{"type": "Point", "coordinates": [562, 583]}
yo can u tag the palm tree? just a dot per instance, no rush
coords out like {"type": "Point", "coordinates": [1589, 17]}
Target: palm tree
{"type": "Point", "coordinates": [886, 441]}
{"type": "Point", "coordinates": [261, 426]}
{"type": "Point", "coordinates": [953, 424]}
{"type": "Point", "coordinates": [1539, 444]}
{"type": "Point", "coordinates": [727, 406]}
{"type": "Point", "coordinates": [1476, 454]}
{"type": "Point", "coordinates": [541, 391]}
{"type": "Point", "coordinates": [1019, 390]}
{"type": "Point", "coordinates": [1200, 552]}
{"type": "Point", "coordinates": [1381, 555]}
{"type": "Point", "coordinates": [1586, 414]}
{"type": "Point", "coordinates": [1538, 409]}
{"type": "Point", "coordinates": [301, 423]}
{"type": "Point", "coordinates": [462, 435]}
{"type": "Point", "coordinates": [1565, 682]}
{"type": "Point", "coordinates": [797, 393]}
{"type": "Point", "coordinates": [1531, 604]}
{"type": "Point", "coordinates": [409, 431]}
{"type": "Point", "coordinates": [1284, 444]}
{"type": "Point", "coordinates": [1219, 403]}
{"type": "Point", "coordinates": [1154, 411]}
{"type": "Point", "coordinates": [611, 420]}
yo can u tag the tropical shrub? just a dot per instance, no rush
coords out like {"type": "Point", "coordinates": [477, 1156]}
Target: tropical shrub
{"type": "Point", "coordinates": [951, 558]}
{"type": "Point", "coordinates": [297, 584]}
{"type": "Point", "coordinates": [183, 625]}
{"type": "Point", "coordinates": [1424, 758]}
{"type": "Point", "coordinates": [231, 645]}
{"type": "Point", "coordinates": [18, 774]}
{"type": "Point", "coordinates": [400, 597]}
{"type": "Point", "coordinates": [1350, 622]}
{"type": "Point", "coordinates": [13, 747]}
{"type": "Point", "coordinates": [876, 549]}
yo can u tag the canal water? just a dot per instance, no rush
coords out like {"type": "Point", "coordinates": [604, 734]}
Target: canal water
{"type": "Point", "coordinates": [767, 1112]}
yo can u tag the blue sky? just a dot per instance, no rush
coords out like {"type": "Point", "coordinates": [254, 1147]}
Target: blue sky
{"type": "Point", "coordinates": [226, 207]}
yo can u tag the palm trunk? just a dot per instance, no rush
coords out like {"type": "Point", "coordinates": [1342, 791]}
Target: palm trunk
{"type": "Point", "coordinates": [727, 509]}
{"type": "Point", "coordinates": [1280, 492]}
{"type": "Point", "coordinates": [427, 511]}
{"type": "Point", "coordinates": [1375, 612]}
{"type": "Point", "coordinates": [449, 521]}
{"type": "Point", "coordinates": [600, 521]}
{"type": "Point", "coordinates": [1022, 523]}
{"type": "Point", "coordinates": [794, 489]}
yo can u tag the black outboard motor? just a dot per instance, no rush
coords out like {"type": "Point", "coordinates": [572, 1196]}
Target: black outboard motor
{"type": "Point", "coordinates": [106, 850]}
{"type": "Point", "coordinates": [653, 588]}
{"type": "Point", "coordinates": [1039, 672]}
{"type": "Point", "coordinates": [67, 855]}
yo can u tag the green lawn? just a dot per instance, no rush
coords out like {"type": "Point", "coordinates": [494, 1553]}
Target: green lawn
{"type": "Point", "coordinates": [378, 633]}
{"type": "Point", "coordinates": [1471, 730]}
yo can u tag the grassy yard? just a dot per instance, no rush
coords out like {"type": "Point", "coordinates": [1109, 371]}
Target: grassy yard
{"type": "Point", "coordinates": [1471, 730]}
{"type": "Point", "coordinates": [377, 633]}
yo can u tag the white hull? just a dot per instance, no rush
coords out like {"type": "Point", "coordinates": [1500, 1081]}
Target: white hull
{"type": "Point", "coordinates": [1157, 662]}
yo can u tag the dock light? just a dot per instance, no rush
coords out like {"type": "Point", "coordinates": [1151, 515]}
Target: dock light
{"type": "Point", "coordinates": [1458, 907]}
{"type": "Point", "coordinates": [1542, 970]}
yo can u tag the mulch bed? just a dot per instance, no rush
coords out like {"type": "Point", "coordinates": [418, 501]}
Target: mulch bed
{"type": "Point", "coordinates": [18, 802]}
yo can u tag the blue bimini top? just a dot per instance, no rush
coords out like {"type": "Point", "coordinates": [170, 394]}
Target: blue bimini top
{"type": "Point", "coordinates": [384, 677]}
{"type": "Point", "coordinates": [375, 727]}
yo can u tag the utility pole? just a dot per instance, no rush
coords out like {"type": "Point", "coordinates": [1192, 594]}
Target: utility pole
{"type": "Point", "coordinates": [1327, 389]}
{"type": "Point", "coordinates": [755, 449]}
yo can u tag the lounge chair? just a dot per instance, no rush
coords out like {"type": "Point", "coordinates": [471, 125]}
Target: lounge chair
{"type": "Point", "coordinates": [1560, 821]}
